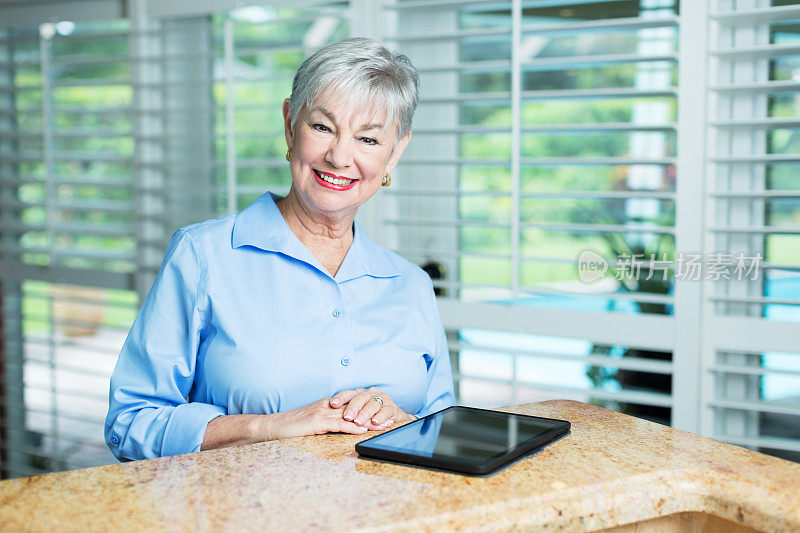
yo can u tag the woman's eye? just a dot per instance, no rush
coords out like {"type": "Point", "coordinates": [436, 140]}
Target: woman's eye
{"type": "Point", "coordinates": [369, 140]}
{"type": "Point", "coordinates": [321, 127]}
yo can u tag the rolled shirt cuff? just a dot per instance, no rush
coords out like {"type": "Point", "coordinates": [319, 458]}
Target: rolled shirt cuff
{"type": "Point", "coordinates": [187, 427]}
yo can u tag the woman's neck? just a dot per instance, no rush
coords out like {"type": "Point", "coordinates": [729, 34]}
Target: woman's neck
{"type": "Point", "coordinates": [326, 238]}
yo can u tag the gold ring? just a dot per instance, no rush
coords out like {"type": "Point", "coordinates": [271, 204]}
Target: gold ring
{"type": "Point", "coordinates": [379, 400]}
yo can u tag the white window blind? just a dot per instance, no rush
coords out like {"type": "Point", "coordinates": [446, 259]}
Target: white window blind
{"type": "Point", "coordinates": [544, 129]}
{"type": "Point", "coordinates": [752, 363]}
{"type": "Point", "coordinates": [112, 135]}
{"type": "Point", "coordinates": [67, 239]}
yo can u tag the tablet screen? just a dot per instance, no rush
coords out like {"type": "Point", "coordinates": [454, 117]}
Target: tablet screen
{"type": "Point", "coordinates": [467, 434]}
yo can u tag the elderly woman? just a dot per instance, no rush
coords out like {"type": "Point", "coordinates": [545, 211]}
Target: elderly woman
{"type": "Point", "coordinates": [285, 319]}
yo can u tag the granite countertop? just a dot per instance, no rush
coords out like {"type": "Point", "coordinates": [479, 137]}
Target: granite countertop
{"type": "Point", "coordinates": [613, 469]}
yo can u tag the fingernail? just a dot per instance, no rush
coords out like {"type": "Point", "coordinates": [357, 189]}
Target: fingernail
{"type": "Point", "coordinates": [375, 421]}
{"type": "Point", "coordinates": [358, 421]}
{"type": "Point", "coordinates": [348, 415]}
{"type": "Point", "coordinates": [335, 401]}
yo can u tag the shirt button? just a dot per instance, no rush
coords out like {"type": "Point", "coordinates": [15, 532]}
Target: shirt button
{"type": "Point", "coordinates": [345, 361]}
{"type": "Point", "coordinates": [115, 439]}
{"type": "Point", "coordinates": [337, 313]}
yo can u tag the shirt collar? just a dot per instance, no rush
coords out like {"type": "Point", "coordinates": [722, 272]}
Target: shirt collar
{"type": "Point", "coordinates": [261, 225]}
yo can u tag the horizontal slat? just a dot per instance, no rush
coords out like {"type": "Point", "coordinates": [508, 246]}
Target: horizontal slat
{"type": "Point", "coordinates": [480, 66]}
{"type": "Point", "coordinates": [759, 87]}
{"type": "Point", "coordinates": [156, 8]}
{"type": "Point", "coordinates": [108, 182]}
{"type": "Point", "coordinates": [575, 228]}
{"type": "Point", "coordinates": [753, 300]}
{"type": "Point", "coordinates": [601, 228]}
{"type": "Point", "coordinates": [750, 371]}
{"type": "Point", "coordinates": [73, 228]}
{"type": "Point", "coordinates": [446, 194]}
{"type": "Point", "coordinates": [561, 94]}
{"type": "Point", "coordinates": [644, 398]}
{"type": "Point", "coordinates": [71, 133]}
{"type": "Point", "coordinates": [626, 363]}
{"type": "Point", "coordinates": [591, 195]}
{"type": "Point", "coordinates": [88, 35]}
{"type": "Point", "coordinates": [36, 155]}
{"type": "Point", "coordinates": [779, 266]}
{"type": "Point", "coordinates": [655, 332]}
{"type": "Point", "coordinates": [568, 28]}
{"type": "Point", "coordinates": [592, 61]}
{"type": "Point", "coordinates": [549, 63]}
{"type": "Point", "coordinates": [61, 391]}
{"type": "Point", "coordinates": [751, 334]}
{"type": "Point", "coordinates": [757, 406]}
{"type": "Point", "coordinates": [452, 223]}
{"type": "Point", "coordinates": [545, 161]}
{"type": "Point", "coordinates": [571, 27]}
{"type": "Point", "coordinates": [96, 206]}
{"type": "Point", "coordinates": [416, 5]}
{"type": "Point", "coordinates": [597, 127]}
{"type": "Point", "coordinates": [600, 195]}
{"type": "Point", "coordinates": [92, 110]}
{"type": "Point", "coordinates": [452, 35]}
{"type": "Point", "coordinates": [751, 17]}
{"type": "Point", "coordinates": [278, 21]}
{"type": "Point", "coordinates": [110, 82]}
{"type": "Point", "coordinates": [61, 252]}
{"type": "Point", "coordinates": [757, 195]}
{"type": "Point", "coordinates": [14, 270]}
{"type": "Point", "coordinates": [766, 158]}
{"type": "Point", "coordinates": [753, 52]}
{"type": "Point", "coordinates": [61, 414]}
{"type": "Point", "coordinates": [758, 123]}
{"type": "Point", "coordinates": [776, 230]}
{"type": "Point", "coordinates": [255, 48]}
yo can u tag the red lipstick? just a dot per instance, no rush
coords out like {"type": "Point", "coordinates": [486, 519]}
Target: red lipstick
{"type": "Point", "coordinates": [332, 186]}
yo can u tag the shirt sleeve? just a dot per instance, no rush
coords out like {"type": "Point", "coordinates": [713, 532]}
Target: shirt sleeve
{"type": "Point", "coordinates": [149, 413]}
{"type": "Point", "coordinates": [440, 377]}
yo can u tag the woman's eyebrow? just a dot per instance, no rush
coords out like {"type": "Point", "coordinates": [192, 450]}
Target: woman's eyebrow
{"type": "Point", "coordinates": [326, 113]}
{"type": "Point", "coordinates": [367, 126]}
{"type": "Point", "coordinates": [372, 126]}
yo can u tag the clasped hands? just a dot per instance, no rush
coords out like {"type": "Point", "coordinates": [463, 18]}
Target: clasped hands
{"type": "Point", "coordinates": [350, 411]}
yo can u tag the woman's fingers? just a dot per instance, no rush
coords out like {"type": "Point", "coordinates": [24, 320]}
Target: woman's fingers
{"type": "Point", "coordinates": [343, 426]}
{"type": "Point", "coordinates": [371, 407]}
{"type": "Point", "coordinates": [355, 405]}
{"type": "Point", "coordinates": [383, 416]}
{"type": "Point", "coordinates": [341, 398]}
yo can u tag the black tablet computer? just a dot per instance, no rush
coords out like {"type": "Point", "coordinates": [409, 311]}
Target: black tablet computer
{"type": "Point", "coordinates": [464, 440]}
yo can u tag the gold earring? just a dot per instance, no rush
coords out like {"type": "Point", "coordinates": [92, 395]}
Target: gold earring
{"type": "Point", "coordinates": [386, 181]}
{"type": "Point", "coordinates": [289, 154]}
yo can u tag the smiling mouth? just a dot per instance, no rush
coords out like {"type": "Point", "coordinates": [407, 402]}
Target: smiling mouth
{"type": "Point", "coordinates": [330, 178]}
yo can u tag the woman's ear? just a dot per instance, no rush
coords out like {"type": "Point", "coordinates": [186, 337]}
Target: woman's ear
{"type": "Point", "coordinates": [287, 123]}
{"type": "Point", "coordinates": [398, 151]}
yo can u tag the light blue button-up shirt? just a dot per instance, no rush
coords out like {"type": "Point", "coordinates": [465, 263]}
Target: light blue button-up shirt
{"type": "Point", "coordinates": [243, 319]}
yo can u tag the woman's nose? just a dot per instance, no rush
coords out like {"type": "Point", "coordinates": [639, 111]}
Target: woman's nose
{"type": "Point", "coordinates": [340, 153]}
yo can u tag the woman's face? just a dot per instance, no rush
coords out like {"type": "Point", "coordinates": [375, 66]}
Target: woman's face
{"type": "Point", "coordinates": [339, 156]}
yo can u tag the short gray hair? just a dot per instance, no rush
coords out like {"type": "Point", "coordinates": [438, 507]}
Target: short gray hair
{"type": "Point", "coordinates": [366, 73]}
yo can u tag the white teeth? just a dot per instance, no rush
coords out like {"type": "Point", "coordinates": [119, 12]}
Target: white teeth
{"type": "Point", "coordinates": [335, 181]}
